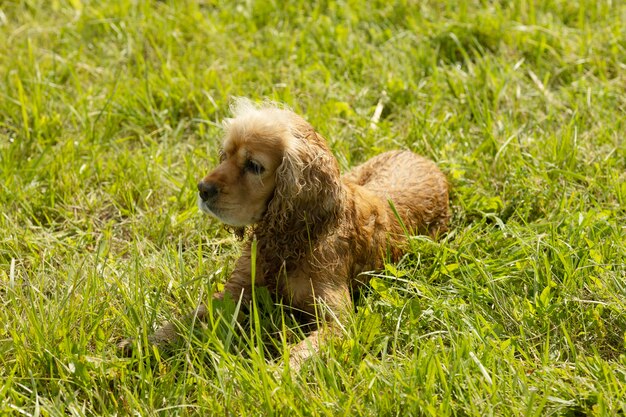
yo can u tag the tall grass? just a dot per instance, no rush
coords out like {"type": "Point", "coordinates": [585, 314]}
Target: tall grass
{"type": "Point", "coordinates": [110, 112]}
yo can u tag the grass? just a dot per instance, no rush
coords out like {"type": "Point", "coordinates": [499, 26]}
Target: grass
{"type": "Point", "coordinates": [110, 112]}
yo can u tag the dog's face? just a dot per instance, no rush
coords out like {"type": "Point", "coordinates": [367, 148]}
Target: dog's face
{"type": "Point", "coordinates": [275, 170]}
{"type": "Point", "coordinates": [238, 191]}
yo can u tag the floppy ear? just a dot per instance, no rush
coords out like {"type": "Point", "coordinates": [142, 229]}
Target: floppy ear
{"type": "Point", "coordinates": [308, 197]}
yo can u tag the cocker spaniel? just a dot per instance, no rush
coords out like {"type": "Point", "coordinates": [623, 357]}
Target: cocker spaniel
{"type": "Point", "coordinates": [316, 231]}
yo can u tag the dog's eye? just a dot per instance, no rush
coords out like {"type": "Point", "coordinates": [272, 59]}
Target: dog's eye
{"type": "Point", "coordinates": [253, 167]}
{"type": "Point", "coordinates": [222, 155]}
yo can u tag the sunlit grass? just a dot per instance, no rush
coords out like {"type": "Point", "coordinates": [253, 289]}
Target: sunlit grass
{"type": "Point", "coordinates": [110, 112]}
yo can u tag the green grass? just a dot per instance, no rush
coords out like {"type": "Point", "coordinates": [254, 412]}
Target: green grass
{"type": "Point", "coordinates": [110, 112]}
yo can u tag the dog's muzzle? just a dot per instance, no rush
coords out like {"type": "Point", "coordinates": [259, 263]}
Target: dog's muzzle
{"type": "Point", "coordinates": [207, 191]}
{"type": "Point", "coordinates": [207, 197]}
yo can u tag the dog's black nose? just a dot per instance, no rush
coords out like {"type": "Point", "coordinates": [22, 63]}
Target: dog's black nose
{"type": "Point", "coordinates": [207, 190]}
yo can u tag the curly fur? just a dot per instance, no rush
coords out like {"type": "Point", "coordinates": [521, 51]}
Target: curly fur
{"type": "Point", "coordinates": [316, 232]}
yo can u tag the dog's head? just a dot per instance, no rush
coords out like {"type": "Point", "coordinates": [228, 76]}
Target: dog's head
{"type": "Point", "coordinates": [275, 170]}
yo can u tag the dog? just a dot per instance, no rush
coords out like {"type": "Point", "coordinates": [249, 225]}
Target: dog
{"type": "Point", "coordinates": [316, 233]}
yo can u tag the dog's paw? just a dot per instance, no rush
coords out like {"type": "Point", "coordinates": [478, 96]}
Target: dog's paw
{"type": "Point", "coordinates": [126, 347]}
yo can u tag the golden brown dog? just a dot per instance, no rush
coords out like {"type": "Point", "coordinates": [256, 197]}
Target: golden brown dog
{"type": "Point", "coordinates": [316, 232]}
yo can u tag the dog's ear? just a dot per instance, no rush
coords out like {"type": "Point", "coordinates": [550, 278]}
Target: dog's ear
{"type": "Point", "coordinates": [308, 197]}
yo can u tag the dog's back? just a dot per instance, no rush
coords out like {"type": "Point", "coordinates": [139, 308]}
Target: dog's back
{"type": "Point", "coordinates": [414, 184]}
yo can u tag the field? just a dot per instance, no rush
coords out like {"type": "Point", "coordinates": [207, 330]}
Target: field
{"type": "Point", "coordinates": [110, 112]}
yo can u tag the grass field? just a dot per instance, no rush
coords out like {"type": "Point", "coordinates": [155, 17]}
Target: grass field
{"type": "Point", "coordinates": [111, 111]}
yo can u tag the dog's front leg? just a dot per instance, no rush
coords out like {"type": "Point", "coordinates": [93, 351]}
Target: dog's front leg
{"type": "Point", "coordinates": [164, 336]}
{"type": "Point", "coordinates": [333, 307]}
{"type": "Point", "coordinates": [239, 286]}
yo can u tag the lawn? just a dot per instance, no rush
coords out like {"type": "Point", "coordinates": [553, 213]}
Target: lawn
{"type": "Point", "coordinates": [110, 112]}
